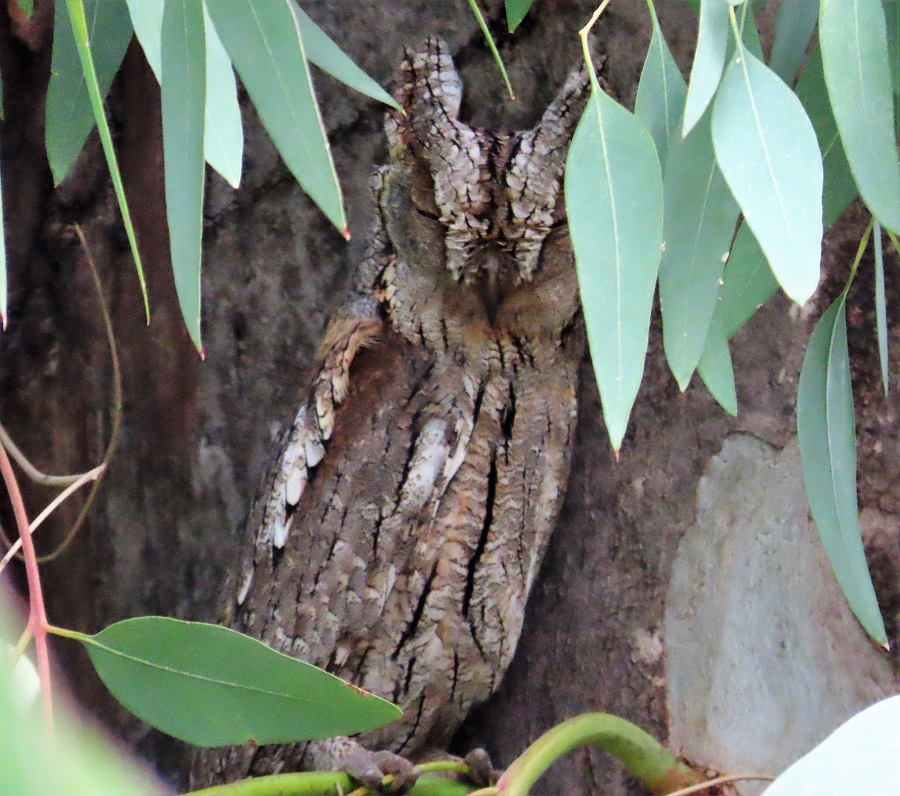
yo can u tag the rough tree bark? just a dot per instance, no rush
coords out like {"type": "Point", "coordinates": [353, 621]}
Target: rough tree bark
{"type": "Point", "coordinates": [196, 435]}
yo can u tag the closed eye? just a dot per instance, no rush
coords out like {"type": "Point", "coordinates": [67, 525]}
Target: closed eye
{"type": "Point", "coordinates": [426, 214]}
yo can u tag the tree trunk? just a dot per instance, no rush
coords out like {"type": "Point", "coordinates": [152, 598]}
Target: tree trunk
{"type": "Point", "coordinates": [196, 435]}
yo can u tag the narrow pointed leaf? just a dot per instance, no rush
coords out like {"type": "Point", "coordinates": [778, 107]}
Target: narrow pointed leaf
{"type": "Point", "coordinates": [79, 25]}
{"type": "Point", "coordinates": [880, 305]}
{"type": "Point", "coordinates": [717, 371]}
{"type": "Point", "coordinates": [613, 189]}
{"type": "Point", "coordinates": [709, 61]}
{"type": "Point", "coordinates": [492, 45]}
{"type": "Point", "coordinates": [767, 150]}
{"type": "Point", "coordinates": [861, 756]}
{"type": "Point", "coordinates": [238, 689]}
{"type": "Point", "coordinates": [183, 103]}
{"type": "Point", "coordinates": [700, 216]}
{"type": "Point", "coordinates": [661, 92]}
{"type": "Point", "coordinates": [826, 427]}
{"type": "Point", "coordinates": [796, 21]}
{"type": "Point", "coordinates": [853, 39]}
{"type": "Point", "coordinates": [70, 117]}
{"type": "Point", "coordinates": [223, 137]}
{"type": "Point", "coordinates": [147, 17]}
{"type": "Point", "coordinates": [262, 38]}
{"type": "Point", "coordinates": [324, 53]}
{"type": "Point", "coordinates": [515, 12]}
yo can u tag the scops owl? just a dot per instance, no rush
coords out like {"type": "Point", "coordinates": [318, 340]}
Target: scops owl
{"type": "Point", "coordinates": [405, 517]}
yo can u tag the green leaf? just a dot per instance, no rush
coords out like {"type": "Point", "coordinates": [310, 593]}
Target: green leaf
{"type": "Point", "coordinates": [262, 37]}
{"type": "Point", "coordinates": [892, 23]}
{"type": "Point", "coordinates": [709, 60]}
{"type": "Point", "coordinates": [767, 150]}
{"type": "Point", "coordinates": [80, 31]}
{"type": "Point", "coordinates": [880, 305]}
{"type": "Point", "coordinates": [859, 757]}
{"type": "Point", "coordinates": [27, 7]}
{"type": "Point", "coordinates": [183, 103]}
{"type": "Point", "coordinates": [825, 425]}
{"type": "Point", "coordinates": [717, 372]}
{"type": "Point", "coordinates": [516, 11]}
{"type": "Point", "coordinates": [613, 189]}
{"type": "Point", "coordinates": [699, 222]}
{"type": "Point", "coordinates": [147, 17]}
{"type": "Point", "coordinates": [855, 55]}
{"type": "Point", "coordinates": [223, 137]}
{"type": "Point", "coordinates": [492, 46]}
{"type": "Point", "coordinates": [796, 21]}
{"type": "Point", "coordinates": [70, 117]}
{"type": "Point", "coordinates": [238, 689]}
{"type": "Point", "coordinates": [839, 188]}
{"type": "Point", "coordinates": [324, 53]}
{"type": "Point", "coordinates": [661, 92]}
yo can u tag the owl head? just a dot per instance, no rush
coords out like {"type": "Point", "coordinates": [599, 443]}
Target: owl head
{"type": "Point", "coordinates": [496, 196]}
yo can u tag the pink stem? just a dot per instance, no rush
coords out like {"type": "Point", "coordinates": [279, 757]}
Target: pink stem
{"type": "Point", "coordinates": [37, 617]}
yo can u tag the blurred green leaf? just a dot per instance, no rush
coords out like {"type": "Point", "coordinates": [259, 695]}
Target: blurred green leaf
{"type": "Point", "coordinates": [700, 217]}
{"type": "Point", "coordinates": [27, 7]}
{"type": "Point", "coordinates": [79, 24]}
{"type": "Point", "coordinates": [892, 23]}
{"type": "Point", "coordinates": [324, 53]}
{"type": "Point", "coordinates": [238, 689]}
{"type": "Point", "coordinates": [613, 189]}
{"type": "Point", "coordinates": [709, 61]}
{"type": "Point", "coordinates": [796, 22]}
{"type": "Point", "coordinates": [661, 92]}
{"type": "Point", "coordinates": [855, 56]}
{"type": "Point", "coordinates": [767, 150]}
{"type": "Point", "coordinates": [716, 370]}
{"type": "Point", "coordinates": [183, 104]}
{"type": "Point", "coordinates": [492, 45]}
{"type": "Point", "coordinates": [516, 11]}
{"type": "Point", "coordinates": [880, 305]}
{"type": "Point", "coordinates": [262, 37]}
{"type": "Point", "coordinates": [223, 137]}
{"type": "Point", "coordinates": [862, 756]}
{"type": "Point", "coordinates": [825, 425]}
{"type": "Point", "coordinates": [70, 117]}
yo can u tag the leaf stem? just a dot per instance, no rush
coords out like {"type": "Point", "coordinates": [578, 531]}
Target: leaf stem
{"type": "Point", "coordinates": [37, 615]}
{"type": "Point", "coordinates": [643, 756]}
{"type": "Point", "coordinates": [325, 783]}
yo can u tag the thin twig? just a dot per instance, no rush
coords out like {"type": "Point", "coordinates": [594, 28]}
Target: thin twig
{"type": "Point", "coordinates": [37, 615]}
{"type": "Point", "coordinates": [29, 469]}
{"type": "Point", "coordinates": [91, 475]}
{"type": "Point", "coordinates": [117, 405]}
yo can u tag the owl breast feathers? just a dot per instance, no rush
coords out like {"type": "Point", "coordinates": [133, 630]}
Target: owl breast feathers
{"type": "Point", "coordinates": [405, 518]}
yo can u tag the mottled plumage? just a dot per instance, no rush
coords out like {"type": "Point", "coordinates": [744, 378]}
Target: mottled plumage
{"type": "Point", "coordinates": [403, 523]}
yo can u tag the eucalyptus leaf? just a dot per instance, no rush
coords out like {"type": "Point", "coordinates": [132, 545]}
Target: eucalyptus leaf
{"type": "Point", "coordinates": [238, 689]}
{"type": "Point", "coordinates": [183, 103]}
{"type": "Point", "coordinates": [324, 53]}
{"type": "Point", "coordinates": [826, 428]}
{"type": "Point", "coordinates": [796, 22]}
{"type": "Point", "coordinates": [854, 46]}
{"type": "Point", "coordinates": [223, 134]}
{"type": "Point", "coordinates": [80, 31]}
{"type": "Point", "coordinates": [862, 756]}
{"type": "Point", "coordinates": [880, 305]}
{"type": "Point", "coordinates": [709, 61]}
{"type": "Point", "coordinates": [70, 117]}
{"type": "Point", "coordinates": [661, 92]}
{"type": "Point", "coordinates": [613, 190]}
{"type": "Point", "coordinates": [262, 38]}
{"type": "Point", "coordinates": [767, 150]}
{"type": "Point", "coordinates": [515, 12]}
{"type": "Point", "coordinates": [717, 371]}
{"type": "Point", "coordinates": [699, 221]}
